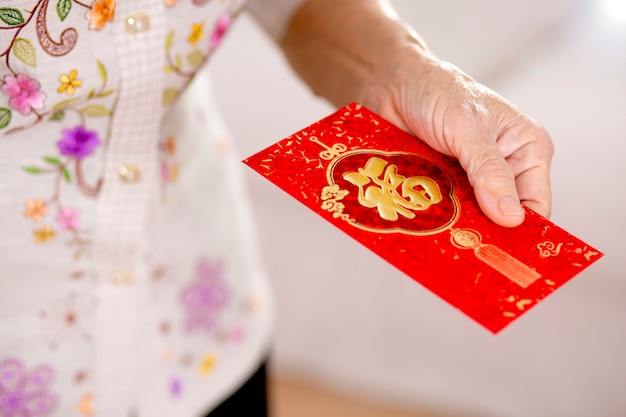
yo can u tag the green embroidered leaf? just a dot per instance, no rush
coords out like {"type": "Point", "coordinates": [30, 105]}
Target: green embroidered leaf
{"type": "Point", "coordinates": [66, 175]}
{"type": "Point", "coordinates": [96, 110]}
{"type": "Point", "coordinates": [178, 62]}
{"type": "Point", "coordinates": [57, 116]}
{"type": "Point", "coordinates": [11, 16]}
{"type": "Point", "coordinates": [5, 117]}
{"type": "Point", "coordinates": [195, 58]}
{"type": "Point", "coordinates": [169, 41]}
{"type": "Point", "coordinates": [52, 160]}
{"type": "Point", "coordinates": [169, 95]}
{"type": "Point", "coordinates": [102, 70]}
{"type": "Point", "coordinates": [65, 103]}
{"type": "Point", "coordinates": [105, 93]}
{"type": "Point", "coordinates": [167, 69]}
{"type": "Point", "coordinates": [24, 50]}
{"type": "Point", "coordinates": [33, 170]}
{"type": "Point", "coordinates": [91, 93]}
{"type": "Point", "coordinates": [63, 8]}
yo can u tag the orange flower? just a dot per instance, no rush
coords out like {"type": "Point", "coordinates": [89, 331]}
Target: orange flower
{"type": "Point", "coordinates": [36, 209]}
{"type": "Point", "coordinates": [170, 145]}
{"type": "Point", "coordinates": [85, 406]}
{"type": "Point", "coordinates": [102, 11]}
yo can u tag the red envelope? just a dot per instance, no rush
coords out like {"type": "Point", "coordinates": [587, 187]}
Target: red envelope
{"type": "Point", "coordinates": [415, 208]}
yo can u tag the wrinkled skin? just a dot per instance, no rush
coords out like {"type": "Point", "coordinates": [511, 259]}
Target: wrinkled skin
{"type": "Point", "coordinates": [505, 153]}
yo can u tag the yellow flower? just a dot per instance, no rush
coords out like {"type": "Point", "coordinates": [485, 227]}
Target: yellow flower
{"type": "Point", "coordinates": [196, 33]}
{"type": "Point", "coordinates": [69, 83]}
{"type": "Point", "coordinates": [207, 363]}
{"type": "Point", "coordinates": [102, 11]}
{"type": "Point", "coordinates": [173, 172]}
{"type": "Point", "coordinates": [36, 209]}
{"type": "Point", "coordinates": [44, 235]}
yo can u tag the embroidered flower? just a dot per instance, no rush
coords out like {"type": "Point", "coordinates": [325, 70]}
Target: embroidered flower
{"type": "Point", "coordinates": [169, 173]}
{"type": "Point", "coordinates": [196, 33]}
{"type": "Point", "coordinates": [102, 11]}
{"type": "Point", "coordinates": [44, 235]}
{"type": "Point", "coordinates": [69, 83]}
{"type": "Point", "coordinates": [78, 142]}
{"type": "Point", "coordinates": [170, 3]}
{"type": "Point", "coordinates": [237, 335]}
{"type": "Point", "coordinates": [68, 219]}
{"type": "Point", "coordinates": [205, 297]}
{"type": "Point", "coordinates": [207, 363]}
{"type": "Point", "coordinates": [25, 393]}
{"type": "Point", "coordinates": [173, 172]}
{"type": "Point", "coordinates": [36, 209]}
{"type": "Point", "coordinates": [170, 145]}
{"type": "Point", "coordinates": [24, 93]}
{"type": "Point", "coordinates": [85, 406]}
{"type": "Point", "coordinates": [67, 320]}
{"type": "Point", "coordinates": [165, 172]}
{"type": "Point", "coordinates": [221, 27]}
{"type": "Point", "coordinates": [176, 387]}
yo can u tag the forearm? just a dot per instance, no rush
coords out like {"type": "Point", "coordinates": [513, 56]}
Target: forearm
{"type": "Point", "coordinates": [343, 49]}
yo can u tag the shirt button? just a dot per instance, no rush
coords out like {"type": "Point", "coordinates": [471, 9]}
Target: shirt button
{"type": "Point", "coordinates": [136, 23]}
{"type": "Point", "coordinates": [128, 173]}
{"type": "Point", "coordinates": [121, 278]}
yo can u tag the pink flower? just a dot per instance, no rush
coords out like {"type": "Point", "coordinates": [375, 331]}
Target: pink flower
{"type": "Point", "coordinates": [68, 219]}
{"type": "Point", "coordinates": [165, 171]}
{"type": "Point", "coordinates": [220, 30]}
{"type": "Point", "coordinates": [24, 93]}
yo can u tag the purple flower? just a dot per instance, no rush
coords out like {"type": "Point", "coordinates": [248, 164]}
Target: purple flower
{"type": "Point", "coordinates": [205, 297]}
{"type": "Point", "coordinates": [25, 394]}
{"type": "Point", "coordinates": [176, 387]}
{"type": "Point", "coordinates": [24, 93]}
{"type": "Point", "coordinates": [78, 142]}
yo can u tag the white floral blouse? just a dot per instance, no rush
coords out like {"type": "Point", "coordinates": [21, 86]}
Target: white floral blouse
{"type": "Point", "coordinates": [129, 281]}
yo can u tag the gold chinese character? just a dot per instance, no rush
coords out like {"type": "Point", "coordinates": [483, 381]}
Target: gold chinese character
{"type": "Point", "coordinates": [378, 185]}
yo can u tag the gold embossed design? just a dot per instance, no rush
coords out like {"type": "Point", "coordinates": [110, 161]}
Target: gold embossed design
{"type": "Point", "coordinates": [378, 184]}
{"type": "Point", "coordinates": [422, 193]}
{"type": "Point", "coordinates": [507, 265]}
{"type": "Point", "coordinates": [331, 195]}
{"type": "Point", "coordinates": [548, 248]}
{"type": "Point", "coordinates": [329, 152]}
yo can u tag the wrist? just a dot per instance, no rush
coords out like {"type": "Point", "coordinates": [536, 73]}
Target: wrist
{"type": "Point", "coordinates": [349, 54]}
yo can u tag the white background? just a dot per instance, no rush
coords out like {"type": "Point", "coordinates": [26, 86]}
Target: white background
{"type": "Point", "coordinates": [352, 322]}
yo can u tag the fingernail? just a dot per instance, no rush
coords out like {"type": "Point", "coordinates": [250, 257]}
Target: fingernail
{"type": "Point", "coordinates": [510, 206]}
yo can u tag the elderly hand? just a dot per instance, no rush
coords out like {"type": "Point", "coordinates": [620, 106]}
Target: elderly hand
{"type": "Point", "coordinates": [360, 50]}
{"type": "Point", "coordinates": [505, 153]}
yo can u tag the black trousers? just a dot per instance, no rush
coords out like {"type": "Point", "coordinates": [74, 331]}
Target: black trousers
{"type": "Point", "coordinates": [249, 401]}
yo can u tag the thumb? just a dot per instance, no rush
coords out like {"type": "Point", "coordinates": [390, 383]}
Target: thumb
{"type": "Point", "coordinates": [493, 182]}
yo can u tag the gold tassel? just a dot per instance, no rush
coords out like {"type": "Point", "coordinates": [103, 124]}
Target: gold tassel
{"type": "Point", "coordinates": [512, 268]}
